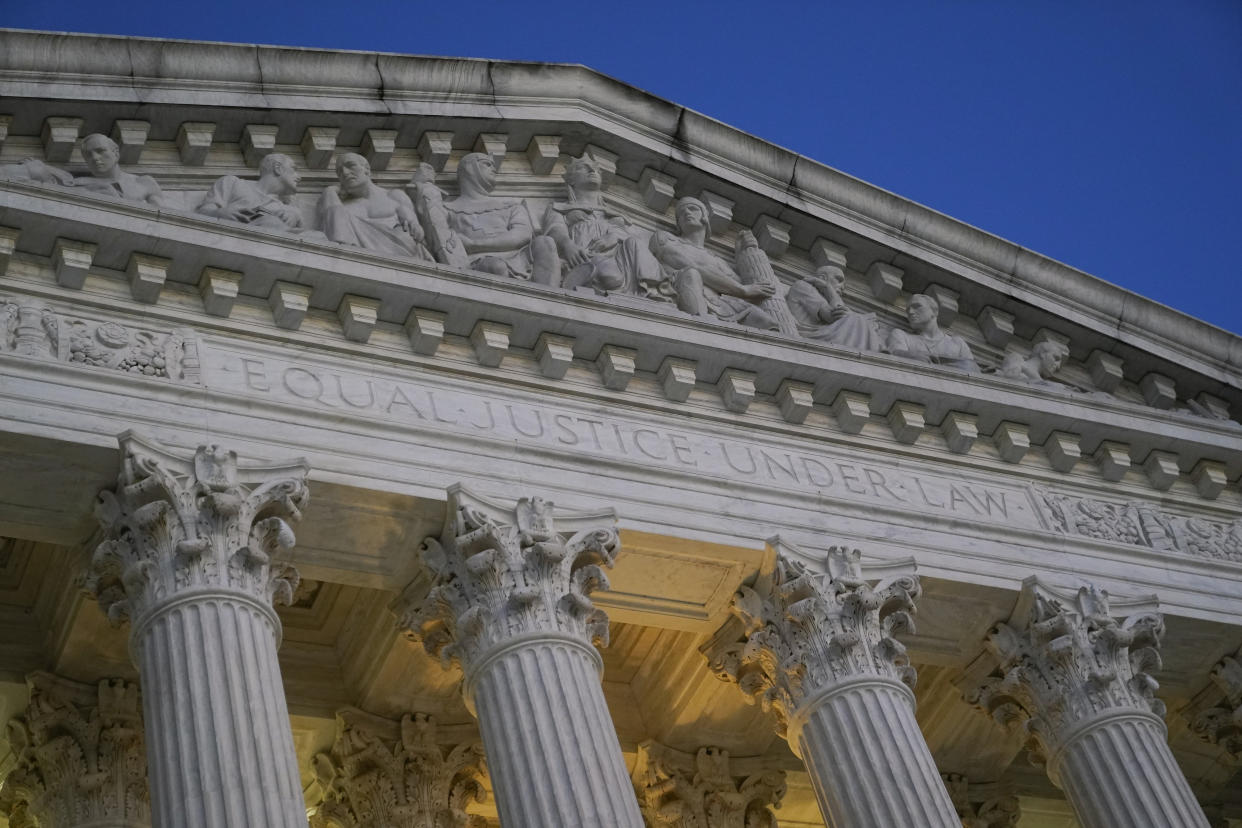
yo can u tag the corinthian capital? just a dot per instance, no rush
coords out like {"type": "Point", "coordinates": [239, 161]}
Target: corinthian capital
{"type": "Point", "coordinates": [981, 806]}
{"type": "Point", "coordinates": [381, 773]}
{"type": "Point", "coordinates": [798, 632]}
{"type": "Point", "coordinates": [80, 756]}
{"type": "Point", "coordinates": [1222, 723]}
{"type": "Point", "coordinates": [706, 789]}
{"type": "Point", "coordinates": [502, 571]}
{"type": "Point", "coordinates": [1063, 659]}
{"type": "Point", "coordinates": [178, 524]}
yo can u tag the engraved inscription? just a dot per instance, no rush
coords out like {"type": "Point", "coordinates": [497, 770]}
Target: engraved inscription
{"type": "Point", "coordinates": [700, 452]}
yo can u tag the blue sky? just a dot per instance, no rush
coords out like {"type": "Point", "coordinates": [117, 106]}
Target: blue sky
{"type": "Point", "coordinates": [1105, 135]}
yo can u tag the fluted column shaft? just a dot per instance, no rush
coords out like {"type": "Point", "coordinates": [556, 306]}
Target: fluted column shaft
{"type": "Point", "coordinates": [190, 558]}
{"type": "Point", "coordinates": [506, 596]}
{"type": "Point", "coordinates": [839, 736]}
{"type": "Point", "coordinates": [218, 739]}
{"type": "Point", "coordinates": [1078, 682]}
{"type": "Point", "coordinates": [551, 747]}
{"type": "Point", "coordinates": [1120, 773]}
{"type": "Point", "coordinates": [818, 649]}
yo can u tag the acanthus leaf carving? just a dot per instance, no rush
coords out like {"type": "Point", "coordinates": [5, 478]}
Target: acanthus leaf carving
{"type": "Point", "coordinates": [807, 631]}
{"type": "Point", "coordinates": [1221, 724]}
{"type": "Point", "coordinates": [381, 773]}
{"type": "Point", "coordinates": [204, 522]}
{"type": "Point", "coordinates": [1064, 662]}
{"type": "Point", "coordinates": [981, 806]}
{"type": "Point", "coordinates": [79, 755]}
{"type": "Point", "coordinates": [500, 571]}
{"type": "Point", "coordinates": [708, 789]}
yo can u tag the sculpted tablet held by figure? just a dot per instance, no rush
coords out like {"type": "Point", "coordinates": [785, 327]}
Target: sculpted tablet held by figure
{"type": "Point", "coordinates": [704, 282]}
{"type": "Point", "coordinates": [819, 310]}
{"type": "Point", "coordinates": [102, 157]}
{"type": "Point", "coordinates": [358, 212]}
{"type": "Point", "coordinates": [928, 342]}
{"type": "Point", "coordinates": [479, 230]}
{"type": "Point", "coordinates": [262, 203]}
{"type": "Point", "coordinates": [597, 246]}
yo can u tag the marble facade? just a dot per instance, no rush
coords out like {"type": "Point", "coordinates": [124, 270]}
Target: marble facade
{"type": "Point", "coordinates": [514, 447]}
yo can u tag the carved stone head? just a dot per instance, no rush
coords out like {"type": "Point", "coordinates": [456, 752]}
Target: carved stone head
{"type": "Point", "coordinates": [101, 154]}
{"type": "Point", "coordinates": [582, 175]}
{"type": "Point", "coordinates": [1049, 356]}
{"type": "Point", "coordinates": [277, 172]}
{"type": "Point", "coordinates": [691, 214]}
{"type": "Point", "coordinates": [353, 171]}
{"type": "Point", "coordinates": [922, 311]}
{"type": "Point", "coordinates": [477, 169]}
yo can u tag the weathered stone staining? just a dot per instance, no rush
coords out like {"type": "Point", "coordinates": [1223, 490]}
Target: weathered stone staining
{"type": "Point", "coordinates": [263, 203]}
{"type": "Point", "coordinates": [357, 212]}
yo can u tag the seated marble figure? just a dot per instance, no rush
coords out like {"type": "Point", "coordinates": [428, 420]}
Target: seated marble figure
{"type": "Point", "coordinates": [596, 246]}
{"type": "Point", "coordinates": [102, 158]}
{"type": "Point", "coordinates": [481, 231]}
{"type": "Point", "coordinates": [1038, 369]}
{"type": "Point", "coordinates": [928, 342]}
{"type": "Point", "coordinates": [358, 212]}
{"type": "Point", "coordinates": [262, 203]}
{"type": "Point", "coordinates": [706, 283]}
{"type": "Point", "coordinates": [817, 307]}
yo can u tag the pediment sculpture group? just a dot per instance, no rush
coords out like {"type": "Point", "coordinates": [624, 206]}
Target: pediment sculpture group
{"type": "Point", "coordinates": [582, 242]}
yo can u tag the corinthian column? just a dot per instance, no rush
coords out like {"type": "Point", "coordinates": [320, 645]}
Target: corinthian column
{"type": "Point", "coordinates": [506, 595]}
{"type": "Point", "coordinates": [80, 761]}
{"type": "Point", "coordinates": [1076, 680]}
{"type": "Point", "coordinates": [817, 650]}
{"type": "Point", "coordinates": [189, 560]}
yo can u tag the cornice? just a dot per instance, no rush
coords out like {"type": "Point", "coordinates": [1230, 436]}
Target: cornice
{"type": "Point", "coordinates": [146, 72]}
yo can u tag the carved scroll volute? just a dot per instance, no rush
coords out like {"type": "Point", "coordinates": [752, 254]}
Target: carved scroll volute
{"type": "Point", "coordinates": [202, 523]}
{"type": "Point", "coordinates": [381, 773]}
{"type": "Point", "coordinates": [500, 570]}
{"type": "Point", "coordinates": [806, 631]}
{"type": "Point", "coordinates": [1063, 659]}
